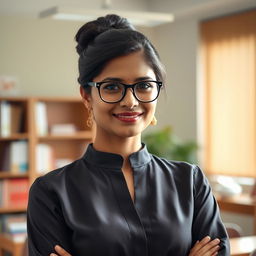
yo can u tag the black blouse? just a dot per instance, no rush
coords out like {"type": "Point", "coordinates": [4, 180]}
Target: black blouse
{"type": "Point", "coordinates": [86, 208]}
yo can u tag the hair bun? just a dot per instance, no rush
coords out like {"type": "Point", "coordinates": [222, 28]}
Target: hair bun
{"type": "Point", "coordinates": [87, 33]}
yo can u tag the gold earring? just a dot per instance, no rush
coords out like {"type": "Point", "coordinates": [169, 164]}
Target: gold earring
{"type": "Point", "coordinates": [154, 121]}
{"type": "Point", "coordinates": [89, 121]}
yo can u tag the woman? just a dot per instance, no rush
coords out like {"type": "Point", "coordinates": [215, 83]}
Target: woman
{"type": "Point", "coordinates": [118, 199]}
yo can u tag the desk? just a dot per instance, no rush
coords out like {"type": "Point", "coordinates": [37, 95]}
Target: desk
{"type": "Point", "coordinates": [243, 204]}
{"type": "Point", "coordinates": [242, 246]}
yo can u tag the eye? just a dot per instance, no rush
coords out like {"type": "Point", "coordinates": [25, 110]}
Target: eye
{"type": "Point", "coordinates": [144, 86]}
{"type": "Point", "coordinates": [110, 87]}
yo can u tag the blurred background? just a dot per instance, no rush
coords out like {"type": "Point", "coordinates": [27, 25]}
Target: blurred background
{"type": "Point", "coordinates": [209, 51]}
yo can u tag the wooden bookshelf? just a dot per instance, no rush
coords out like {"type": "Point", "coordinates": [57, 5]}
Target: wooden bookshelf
{"type": "Point", "coordinates": [7, 245]}
{"type": "Point", "coordinates": [59, 110]}
{"type": "Point", "coordinates": [15, 136]}
{"type": "Point", "coordinates": [8, 210]}
{"type": "Point", "coordinates": [84, 135]}
{"type": "Point", "coordinates": [67, 146]}
{"type": "Point", "coordinates": [8, 175]}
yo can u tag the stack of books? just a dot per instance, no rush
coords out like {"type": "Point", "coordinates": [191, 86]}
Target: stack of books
{"type": "Point", "coordinates": [14, 193]}
{"type": "Point", "coordinates": [11, 118]}
{"type": "Point", "coordinates": [44, 158]}
{"type": "Point", "coordinates": [14, 226]}
{"type": "Point", "coordinates": [14, 157]}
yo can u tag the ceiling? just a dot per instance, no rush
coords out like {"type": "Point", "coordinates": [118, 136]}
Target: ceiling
{"type": "Point", "coordinates": [180, 8]}
{"type": "Point", "coordinates": [33, 7]}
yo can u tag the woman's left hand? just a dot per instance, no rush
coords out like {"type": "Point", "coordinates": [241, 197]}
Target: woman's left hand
{"type": "Point", "coordinates": [205, 247]}
{"type": "Point", "coordinates": [202, 247]}
{"type": "Point", "coordinates": [60, 251]}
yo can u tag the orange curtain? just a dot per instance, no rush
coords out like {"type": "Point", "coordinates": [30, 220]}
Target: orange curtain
{"type": "Point", "coordinates": [229, 59]}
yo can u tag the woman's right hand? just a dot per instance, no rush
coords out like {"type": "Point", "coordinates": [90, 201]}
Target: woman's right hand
{"type": "Point", "coordinates": [60, 251]}
{"type": "Point", "coordinates": [205, 247]}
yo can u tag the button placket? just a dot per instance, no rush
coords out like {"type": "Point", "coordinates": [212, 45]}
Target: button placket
{"type": "Point", "coordinates": [138, 235]}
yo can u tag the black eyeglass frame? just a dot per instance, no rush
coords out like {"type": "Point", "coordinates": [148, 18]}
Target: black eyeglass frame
{"type": "Point", "coordinates": [126, 86]}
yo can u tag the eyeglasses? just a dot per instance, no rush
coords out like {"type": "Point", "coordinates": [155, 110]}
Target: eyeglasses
{"type": "Point", "coordinates": [114, 91]}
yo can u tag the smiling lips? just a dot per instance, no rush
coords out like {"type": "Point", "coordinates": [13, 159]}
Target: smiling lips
{"type": "Point", "coordinates": [128, 117]}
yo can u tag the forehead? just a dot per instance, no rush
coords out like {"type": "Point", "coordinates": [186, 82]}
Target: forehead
{"type": "Point", "coordinates": [127, 68]}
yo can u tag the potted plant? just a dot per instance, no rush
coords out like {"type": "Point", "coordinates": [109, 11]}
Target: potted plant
{"type": "Point", "coordinates": [164, 143]}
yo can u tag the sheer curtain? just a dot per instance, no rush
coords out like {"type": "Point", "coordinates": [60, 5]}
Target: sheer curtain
{"type": "Point", "coordinates": [229, 60]}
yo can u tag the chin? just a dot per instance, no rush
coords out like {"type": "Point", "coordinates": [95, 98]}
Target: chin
{"type": "Point", "coordinates": [127, 133]}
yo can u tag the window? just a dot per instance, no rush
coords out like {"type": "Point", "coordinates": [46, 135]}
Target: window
{"type": "Point", "coordinates": [229, 85]}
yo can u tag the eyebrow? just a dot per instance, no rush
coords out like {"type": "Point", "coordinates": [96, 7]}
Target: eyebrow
{"type": "Point", "coordinates": [121, 80]}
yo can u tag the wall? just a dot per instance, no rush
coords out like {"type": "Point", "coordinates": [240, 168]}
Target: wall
{"type": "Point", "coordinates": [32, 8]}
{"type": "Point", "coordinates": [177, 45]}
{"type": "Point", "coordinates": [41, 54]}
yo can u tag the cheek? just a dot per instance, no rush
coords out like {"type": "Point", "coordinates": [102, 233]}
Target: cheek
{"type": "Point", "coordinates": [151, 108]}
{"type": "Point", "coordinates": [97, 104]}
{"type": "Point", "coordinates": [101, 110]}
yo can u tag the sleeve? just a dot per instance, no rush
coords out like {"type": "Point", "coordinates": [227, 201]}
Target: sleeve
{"type": "Point", "coordinates": [45, 221]}
{"type": "Point", "coordinates": [206, 219]}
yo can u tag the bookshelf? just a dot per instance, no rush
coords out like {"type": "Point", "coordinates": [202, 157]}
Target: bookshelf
{"type": "Point", "coordinates": [7, 245]}
{"type": "Point", "coordinates": [32, 128]}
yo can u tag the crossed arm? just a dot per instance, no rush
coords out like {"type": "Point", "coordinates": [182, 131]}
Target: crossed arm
{"type": "Point", "coordinates": [43, 206]}
{"type": "Point", "coordinates": [205, 247]}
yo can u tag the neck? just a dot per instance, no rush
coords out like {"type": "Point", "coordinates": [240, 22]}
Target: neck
{"type": "Point", "coordinates": [118, 145]}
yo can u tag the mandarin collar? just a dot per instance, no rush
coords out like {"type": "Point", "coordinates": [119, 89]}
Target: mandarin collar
{"type": "Point", "coordinates": [115, 161]}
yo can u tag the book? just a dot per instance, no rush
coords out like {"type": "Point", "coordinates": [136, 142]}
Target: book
{"type": "Point", "coordinates": [16, 112]}
{"type": "Point", "coordinates": [5, 157]}
{"type": "Point", "coordinates": [13, 223]}
{"type": "Point", "coordinates": [14, 226]}
{"type": "Point", "coordinates": [44, 158]}
{"type": "Point", "coordinates": [41, 119]}
{"type": "Point", "coordinates": [4, 194]}
{"type": "Point", "coordinates": [63, 129]}
{"type": "Point", "coordinates": [1, 197]}
{"type": "Point", "coordinates": [14, 157]}
{"type": "Point", "coordinates": [19, 156]}
{"type": "Point", "coordinates": [5, 119]}
{"type": "Point", "coordinates": [18, 192]}
{"type": "Point", "coordinates": [15, 192]}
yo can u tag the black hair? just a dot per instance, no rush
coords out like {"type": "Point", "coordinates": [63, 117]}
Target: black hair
{"type": "Point", "coordinates": [106, 38]}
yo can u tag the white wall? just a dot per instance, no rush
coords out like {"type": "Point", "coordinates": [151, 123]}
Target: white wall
{"type": "Point", "coordinates": [41, 54]}
{"type": "Point", "coordinates": [177, 44]}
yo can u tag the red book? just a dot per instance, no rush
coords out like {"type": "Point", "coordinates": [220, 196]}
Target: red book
{"type": "Point", "coordinates": [16, 194]}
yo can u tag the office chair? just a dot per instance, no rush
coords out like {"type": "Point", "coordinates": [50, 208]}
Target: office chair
{"type": "Point", "coordinates": [233, 230]}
